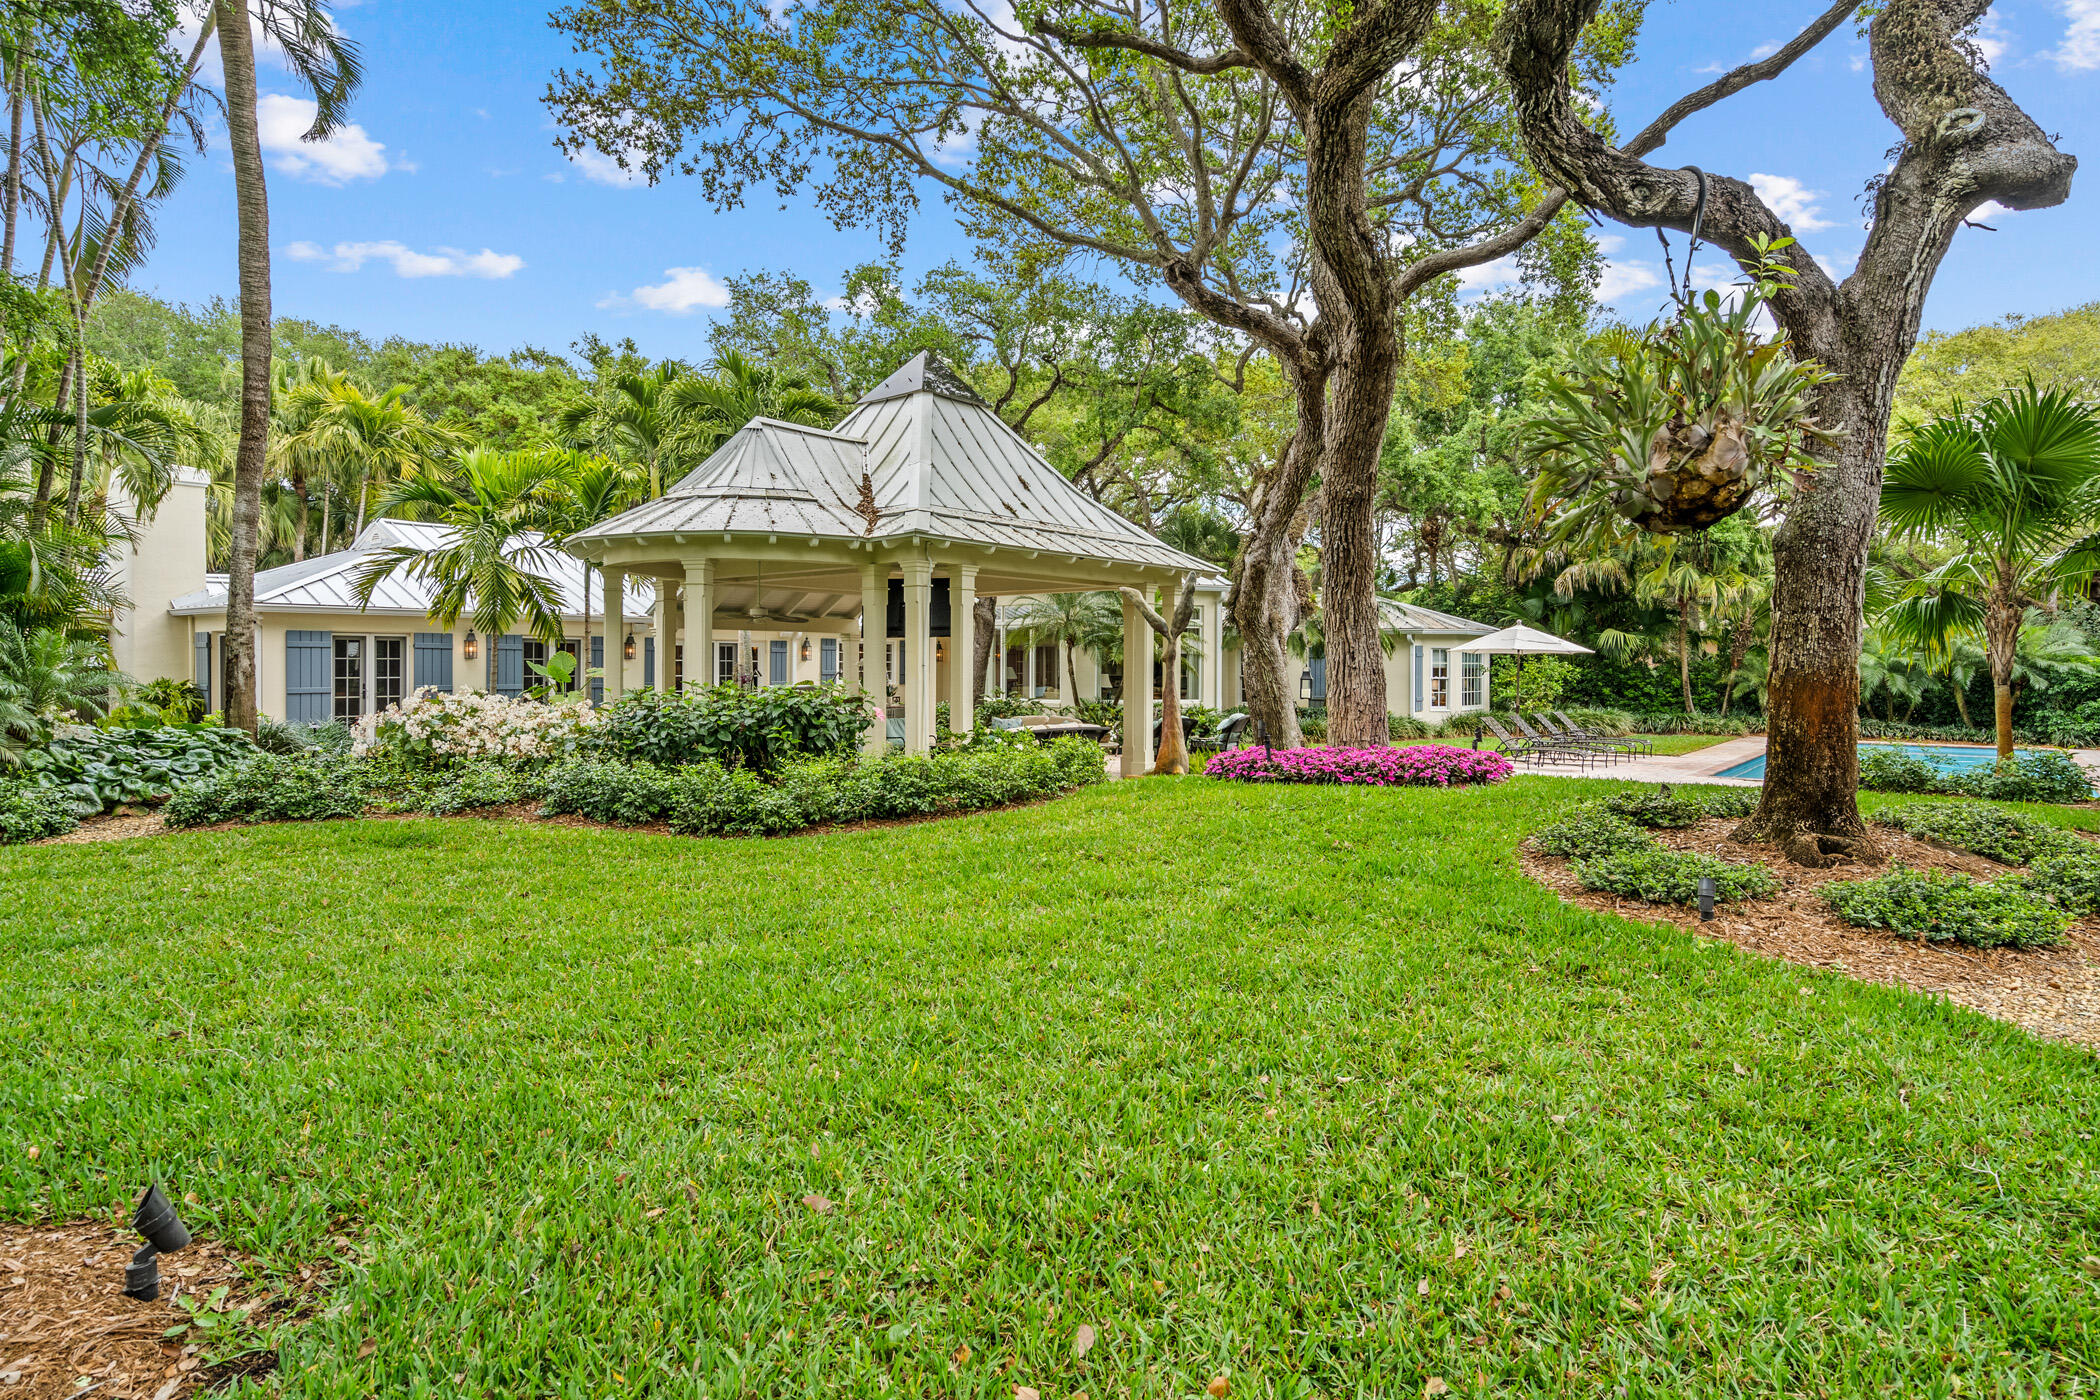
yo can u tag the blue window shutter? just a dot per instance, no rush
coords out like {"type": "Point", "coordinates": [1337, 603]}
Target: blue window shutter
{"type": "Point", "coordinates": [830, 659]}
{"type": "Point", "coordinates": [510, 665]}
{"type": "Point", "coordinates": [1418, 678]}
{"type": "Point", "coordinates": [648, 663]}
{"type": "Point", "coordinates": [434, 661]}
{"type": "Point", "coordinates": [309, 674]}
{"type": "Point", "coordinates": [779, 659]}
{"type": "Point", "coordinates": [597, 661]}
{"type": "Point", "coordinates": [1319, 679]}
{"type": "Point", "coordinates": [203, 666]}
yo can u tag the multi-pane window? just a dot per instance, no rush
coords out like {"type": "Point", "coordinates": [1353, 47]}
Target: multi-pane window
{"type": "Point", "coordinates": [1016, 668]}
{"type": "Point", "coordinates": [1471, 672]}
{"type": "Point", "coordinates": [389, 671]}
{"type": "Point", "coordinates": [678, 667]}
{"type": "Point", "coordinates": [1439, 678]}
{"type": "Point", "coordinates": [1045, 669]}
{"type": "Point", "coordinates": [349, 678]}
{"type": "Point", "coordinates": [532, 653]}
{"type": "Point", "coordinates": [574, 648]}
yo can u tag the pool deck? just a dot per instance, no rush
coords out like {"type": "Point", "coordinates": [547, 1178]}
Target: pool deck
{"type": "Point", "coordinates": [1703, 765]}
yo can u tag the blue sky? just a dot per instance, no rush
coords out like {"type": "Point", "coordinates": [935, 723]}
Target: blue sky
{"type": "Point", "coordinates": [446, 214]}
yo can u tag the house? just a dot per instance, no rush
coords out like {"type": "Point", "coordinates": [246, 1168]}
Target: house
{"type": "Point", "coordinates": [787, 538]}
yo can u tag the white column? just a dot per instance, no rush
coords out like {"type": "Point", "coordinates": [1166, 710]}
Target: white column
{"type": "Point", "coordinates": [917, 671]}
{"type": "Point", "coordinates": [670, 616]}
{"type": "Point", "coordinates": [699, 623]}
{"type": "Point", "coordinates": [1137, 691]}
{"type": "Point", "coordinates": [1211, 670]}
{"type": "Point", "coordinates": [963, 687]}
{"type": "Point", "coordinates": [615, 636]}
{"type": "Point", "coordinates": [874, 643]}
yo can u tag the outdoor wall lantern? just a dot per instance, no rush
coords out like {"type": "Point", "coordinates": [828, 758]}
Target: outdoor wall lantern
{"type": "Point", "coordinates": [805, 648]}
{"type": "Point", "coordinates": [472, 648]}
{"type": "Point", "coordinates": [1305, 686]}
{"type": "Point", "coordinates": [940, 649]}
{"type": "Point", "coordinates": [630, 646]}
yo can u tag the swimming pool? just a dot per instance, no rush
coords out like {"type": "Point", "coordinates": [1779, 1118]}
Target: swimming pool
{"type": "Point", "coordinates": [1948, 758]}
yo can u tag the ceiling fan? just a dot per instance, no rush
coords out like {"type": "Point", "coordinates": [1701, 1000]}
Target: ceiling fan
{"type": "Point", "coordinates": [758, 612]}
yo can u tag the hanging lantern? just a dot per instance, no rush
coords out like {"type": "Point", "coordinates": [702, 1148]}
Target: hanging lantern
{"type": "Point", "coordinates": [630, 646]}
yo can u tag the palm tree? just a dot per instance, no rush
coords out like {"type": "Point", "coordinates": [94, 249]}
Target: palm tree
{"type": "Point", "coordinates": [1074, 621]}
{"type": "Point", "coordinates": [591, 490]}
{"type": "Point", "coordinates": [1173, 755]}
{"type": "Point", "coordinates": [50, 675]}
{"type": "Point", "coordinates": [2010, 487]}
{"type": "Point", "coordinates": [327, 64]}
{"type": "Point", "coordinates": [630, 420]}
{"type": "Point", "coordinates": [706, 411]}
{"type": "Point", "coordinates": [495, 563]}
{"type": "Point", "coordinates": [338, 435]}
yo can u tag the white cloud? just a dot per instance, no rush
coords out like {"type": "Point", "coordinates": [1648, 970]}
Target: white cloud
{"type": "Point", "coordinates": [683, 290]}
{"type": "Point", "coordinates": [1791, 200]}
{"type": "Point", "coordinates": [349, 154]}
{"type": "Point", "coordinates": [2081, 46]}
{"type": "Point", "coordinates": [1764, 50]}
{"type": "Point", "coordinates": [1991, 39]}
{"type": "Point", "coordinates": [1500, 272]}
{"type": "Point", "coordinates": [601, 169]}
{"type": "Point", "coordinates": [1624, 279]}
{"type": "Point", "coordinates": [407, 262]}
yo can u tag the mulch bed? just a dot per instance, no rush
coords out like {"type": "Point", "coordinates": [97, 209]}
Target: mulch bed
{"type": "Point", "coordinates": [67, 1329]}
{"type": "Point", "coordinates": [2051, 992]}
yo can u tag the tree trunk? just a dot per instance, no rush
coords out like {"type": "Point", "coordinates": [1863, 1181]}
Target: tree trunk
{"type": "Point", "coordinates": [1961, 702]}
{"type": "Point", "coordinates": [1684, 655]}
{"type": "Point", "coordinates": [2002, 616]}
{"type": "Point", "coordinates": [1173, 755]}
{"type": "Point", "coordinates": [1738, 647]}
{"type": "Point", "coordinates": [299, 519]}
{"type": "Point", "coordinates": [327, 510]}
{"type": "Point", "coordinates": [583, 650]}
{"type": "Point", "coordinates": [251, 460]}
{"type": "Point", "coordinates": [984, 630]}
{"type": "Point", "coordinates": [11, 200]}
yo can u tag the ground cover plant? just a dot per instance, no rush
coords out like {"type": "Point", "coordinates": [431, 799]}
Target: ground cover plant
{"type": "Point", "coordinates": [1296, 1085]}
{"type": "Point", "coordinates": [1412, 765]}
{"type": "Point", "coordinates": [1997, 833]}
{"type": "Point", "coordinates": [1681, 807]}
{"type": "Point", "coordinates": [97, 769]}
{"type": "Point", "coordinates": [1948, 907]}
{"type": "Point", "coordinates": [31, 812]}
{"type": "Point", "coordinates": [1672, 877]}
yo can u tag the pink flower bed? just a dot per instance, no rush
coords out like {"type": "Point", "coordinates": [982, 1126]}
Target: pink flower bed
{"type": "Point", "coordinates": [1417, 765]}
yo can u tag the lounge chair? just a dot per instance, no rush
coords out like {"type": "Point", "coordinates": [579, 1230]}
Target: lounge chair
{"type": "Point", "coordinates": [1553, 743]}
{"type": "Point", "coordinates": [1633, 743]}
{"type": "Point", "coordinates": [1232, 732]}
{"type": "Point", "coordinates": [1611, 748]}
{"type": "Point", "coordinates": [1534, 750]}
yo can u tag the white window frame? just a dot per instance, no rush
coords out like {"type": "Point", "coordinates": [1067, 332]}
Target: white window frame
{"type": "Point", "coordinates": [1472, 678]}
{"type": "Point", "coordinates": [1440, 678]}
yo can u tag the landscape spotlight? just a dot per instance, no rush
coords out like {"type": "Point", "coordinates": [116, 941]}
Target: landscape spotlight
{"type": "Point", "coordinates": [1706, 897]}
{"type": "Point", "coordinates": [154, 1217]}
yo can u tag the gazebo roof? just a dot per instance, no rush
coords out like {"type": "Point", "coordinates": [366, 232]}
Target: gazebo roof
{"type": "Point", "coordinates": [920, 458]}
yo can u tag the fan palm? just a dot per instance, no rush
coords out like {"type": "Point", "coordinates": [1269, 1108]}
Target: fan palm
{"type": "Point", "coordinates": [50, 675]}
{"type": "Point", "coordinates": [494, 564]}
{"type": "Point", "coordinates": [2010, 487]}
{"type": "Point", "coordinates": [706, 411]}
{"type": "Point", "coordinates": [1074, 621]}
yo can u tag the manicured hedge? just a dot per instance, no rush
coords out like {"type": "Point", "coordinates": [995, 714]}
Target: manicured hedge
{"type": "Point", "coordinates": [760, 730]}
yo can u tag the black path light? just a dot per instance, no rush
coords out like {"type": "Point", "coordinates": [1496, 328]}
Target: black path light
{"type": "Point", "coordinates": [154, 1217]}
{"type": "Point", "coordinates": [1706, 897]}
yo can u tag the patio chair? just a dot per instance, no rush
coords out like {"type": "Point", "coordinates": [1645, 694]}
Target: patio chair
{"type": "Point", "coordinates": [1532, 751]}
{"type": "Point", "coordinates": [1188, 732]}
{"type": "Point", "coordinates": [1633, 743]}
{"type": "Point", "coordinates": [1549, 743]}
{"type": "Point", "coordinates": [1612, 748]}
{"type": "Point", "coordinates": [1232, 731]}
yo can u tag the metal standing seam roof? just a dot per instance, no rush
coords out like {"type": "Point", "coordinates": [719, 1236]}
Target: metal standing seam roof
{"type": "Point", "coordinates": [1412, 617]}
{"type": "Point", "coordinates": [921, 454]}
{"type": "Point", "coordinates": [328, 582]}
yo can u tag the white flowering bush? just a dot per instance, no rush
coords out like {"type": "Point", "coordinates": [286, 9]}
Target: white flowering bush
{"type": "Point", "coordinates": [431, 728]}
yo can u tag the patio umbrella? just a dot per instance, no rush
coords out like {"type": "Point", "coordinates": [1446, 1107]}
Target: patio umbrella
{"type": "Point", "coordinates": [1521, 642]}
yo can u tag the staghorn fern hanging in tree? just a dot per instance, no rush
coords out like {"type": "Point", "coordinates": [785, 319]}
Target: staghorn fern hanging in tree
{"type": "Point", "coordinates": [1676, 427]}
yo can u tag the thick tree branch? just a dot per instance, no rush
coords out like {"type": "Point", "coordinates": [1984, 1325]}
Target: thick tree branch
{"type": "Point", "coordinates": [1150, 48]}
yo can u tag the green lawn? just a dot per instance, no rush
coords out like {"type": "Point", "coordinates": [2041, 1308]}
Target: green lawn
{"type": "Point", "coordinates": [1306, 1086]}
{"type": "Point", "coordinates": [1684, 743]}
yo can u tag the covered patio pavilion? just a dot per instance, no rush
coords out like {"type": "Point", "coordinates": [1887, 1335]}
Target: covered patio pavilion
{"type": "Point", "coordinates": [921, 501]}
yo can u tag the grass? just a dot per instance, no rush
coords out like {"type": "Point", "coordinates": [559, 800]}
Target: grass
{"type": "Point", "coordinates": [1685, 743]}
{"type": "Point", "coordinates": [1300, 1085]}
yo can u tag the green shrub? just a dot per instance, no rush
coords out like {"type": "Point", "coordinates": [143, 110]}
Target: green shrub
{"type": "Point", "coordinates": [1313, 725]}
{"type": "Point", "coordinates": [281, 736]}
{"type": "Point", "coordinates": [31, 812]}
{"type": "Point", "coordinates": [1588, 833]}
{"type": "Point", "coordinates": [2048, 776]}
{"type": "Point", "coordinates": [1399, 727]}
{"type": "Point", "coordinates": [1106, 713]}
{"type": "Point", "coordinates": [1611, 724]}
{"type": "Point", "coordinates": [2068, 878]}
{"type": "Point", "coordinates": [1993, 832]}
{"type": "Point", "coordinates": [1948, 908]}
{"type": "Point", "coordinates": [98, 769]}
{"type": "Point", "coordinates": [755, 729]}
{"type": "Point", "coordinates": [1892, 770]}
{"type": "Point", "coordinates": [1678, 722]}
{"type": "Point", "coordinates": [270, 788]}
{"type": "Point", "coordinates": [178, 701]}
{"type": "Point", "coordinates": [1672, 877]}
{"type": "Point", "coordinates": [606, 790]}
{"type": "Point", "coordinates": [473, 786]}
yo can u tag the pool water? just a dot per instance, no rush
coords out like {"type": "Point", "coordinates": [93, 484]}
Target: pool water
{"type": "Point", "coordinates": [1948, 758]}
